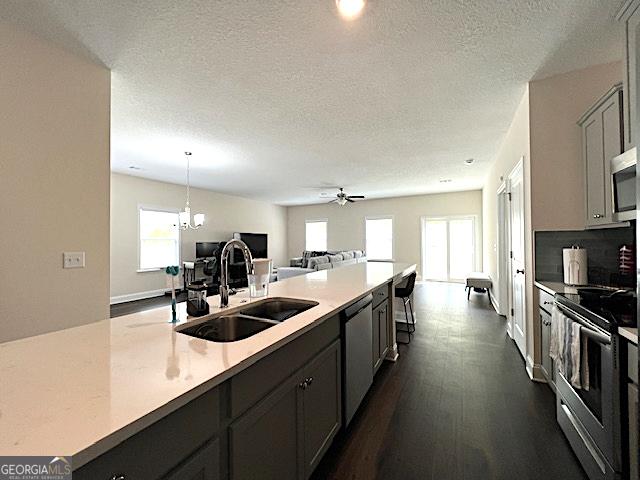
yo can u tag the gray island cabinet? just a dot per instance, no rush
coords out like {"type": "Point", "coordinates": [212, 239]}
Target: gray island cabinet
{"type": "Point", "coordinates": [275, 419]}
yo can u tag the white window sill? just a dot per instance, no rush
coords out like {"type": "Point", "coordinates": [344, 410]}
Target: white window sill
{"type": "Point", "coordinates": [144, 270]}
{"type": "Point", "coordinates": [388, 260]}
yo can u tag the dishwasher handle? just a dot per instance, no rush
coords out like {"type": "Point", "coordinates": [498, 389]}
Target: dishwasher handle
{"type": "Point", "coordinates": [355, 308]}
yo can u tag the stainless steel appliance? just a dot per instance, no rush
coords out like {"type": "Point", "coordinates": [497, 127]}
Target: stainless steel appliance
{"type": "Point", "coordinates": [623, 185]}
{"type": "Point", "coordinates": [591, 419]}
{"type": "Point", "coordinates": [357, 367]}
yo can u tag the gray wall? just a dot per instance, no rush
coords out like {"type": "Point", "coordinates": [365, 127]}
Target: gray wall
{"type": "Point", "coordinates": [54, 173]}
{"type": "Point", "coordinates": [602, 252]}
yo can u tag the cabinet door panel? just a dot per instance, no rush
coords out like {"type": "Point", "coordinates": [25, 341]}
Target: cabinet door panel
{"type": "Point", "coordinates": [264, 442]}
{"type": "Point", "coordinates": [375, 347]}
{"type": "Point", "coordinates": [632, 28]}
{"type": "Point", "coordinates": [322, 406]}
{"type": "Point", "coordinates": [384, 331]}
{"type": "Point", "coordinates": [545, 325]}
{"type": "Point", "coordinates": [594, 165]}
{"type": "Point", "coordinates": [632, 396]}
{"type": "Point", "coordinates": [203, 465]}
{"type": "Point", "coordinates": [612, 147]}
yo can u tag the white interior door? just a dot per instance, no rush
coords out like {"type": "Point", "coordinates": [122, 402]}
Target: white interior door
{"type": "Point", "coordinates": [501, 296]}
{"type": "Point", "coordinates": [516, 222]}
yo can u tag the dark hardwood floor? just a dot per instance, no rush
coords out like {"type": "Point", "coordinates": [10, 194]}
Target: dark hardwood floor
{"type": "Point", "coordinates": [457, 405]}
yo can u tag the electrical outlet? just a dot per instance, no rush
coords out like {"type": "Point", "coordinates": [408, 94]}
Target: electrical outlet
{"type": "Point", "coordinates": [73, 260]}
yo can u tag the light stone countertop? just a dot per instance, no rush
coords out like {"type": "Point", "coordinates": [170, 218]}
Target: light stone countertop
{"type": "Point", "coordinates": [555, 287]}
{"type": "Point", "coordinates": [81, 391]}
{"type": "Point", "coordinates": [629, 333]}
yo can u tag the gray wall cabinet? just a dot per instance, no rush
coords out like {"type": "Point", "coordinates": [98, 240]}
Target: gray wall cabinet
{"type": "Point", "coordinates": [285, 435]}
{"type": "Point", "coordinates": [629, 14]}
{"type": "Point", "coordinates": [602, 139]}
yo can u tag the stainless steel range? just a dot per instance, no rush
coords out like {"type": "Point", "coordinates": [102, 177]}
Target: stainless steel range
{"type": "Point", "coordinates": [590, 417]}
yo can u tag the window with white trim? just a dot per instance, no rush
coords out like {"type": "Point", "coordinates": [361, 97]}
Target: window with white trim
{"type": "Point", "coordinates": [315, 238]}
{"type": "Point", "coordinates": [379, 238]}
{"type": "Point", "coordinates": [159, 238]}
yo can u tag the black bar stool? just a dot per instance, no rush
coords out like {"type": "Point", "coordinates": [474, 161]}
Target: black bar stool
{"type": "Point", "coordinates": [405, 294]}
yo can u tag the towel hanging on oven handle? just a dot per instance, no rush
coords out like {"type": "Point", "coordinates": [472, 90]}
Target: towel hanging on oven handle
{"type": "Point", "coordinates": [589, 329]}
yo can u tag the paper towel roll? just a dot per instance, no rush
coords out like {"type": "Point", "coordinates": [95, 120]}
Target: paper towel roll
{"type": "Point", "coordinates": [574, 260]}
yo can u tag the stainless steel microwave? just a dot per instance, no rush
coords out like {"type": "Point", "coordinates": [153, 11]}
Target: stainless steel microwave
{"type": "Point", "coordinates": [623, 186]}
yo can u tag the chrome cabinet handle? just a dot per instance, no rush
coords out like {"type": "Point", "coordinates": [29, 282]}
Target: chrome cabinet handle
{"type": "Point", "coordinates": [597, 215]}
{"type": "Point", "coordinates": [520, 271]}
{"type": "Point", "coordinates": [547, 302]}
{"type": "Point", "coordinates": [309, 381]}
{"type": "Point", "coordinates": [118, 477]}
{"type": "Point", "coordinates": [303, 385]}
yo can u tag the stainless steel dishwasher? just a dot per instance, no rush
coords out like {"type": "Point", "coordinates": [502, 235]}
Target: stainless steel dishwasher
{"type": "Point", "coordinates": [357, 364]}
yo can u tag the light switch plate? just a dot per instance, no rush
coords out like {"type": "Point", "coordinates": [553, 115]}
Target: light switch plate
{"type": "Point", "coordinates": [73, 260]}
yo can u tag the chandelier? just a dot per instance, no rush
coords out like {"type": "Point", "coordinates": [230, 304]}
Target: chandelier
{"type": "Point", "coordinates": [185, 215]}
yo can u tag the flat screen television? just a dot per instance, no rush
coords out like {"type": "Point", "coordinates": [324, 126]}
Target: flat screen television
{"type": "Point", "coordinates": [257, 243]}
{"type": "Point", "coordinates": [206, 249]}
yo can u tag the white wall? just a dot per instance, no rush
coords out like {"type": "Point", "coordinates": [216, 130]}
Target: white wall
{"type": "Point", "coordinates": [557, 167]}
{"type": "Point", "coordinates": [346, 227]}
{"type": "Point", "coordinates": [224, 214]}
{"type": "Point", "coordinates": [54, 194]}
{"type": "Point", "coordinates": [544, 131]}
{"type": "Point", "coordinates": [514, 147]}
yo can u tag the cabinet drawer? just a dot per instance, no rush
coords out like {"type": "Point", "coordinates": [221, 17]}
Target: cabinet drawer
{"type": "Point", "coordinates": [380, 294]}
{"type": "Point", "coordinates": [157, 449]}
{"type": "Point", "coordinates": [632, 361]}
{"type": "Point", "coordinates": [546, 300]}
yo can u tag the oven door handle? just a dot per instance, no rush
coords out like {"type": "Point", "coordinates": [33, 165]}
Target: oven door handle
{"type": "Point", "coordinates": [588, 328]}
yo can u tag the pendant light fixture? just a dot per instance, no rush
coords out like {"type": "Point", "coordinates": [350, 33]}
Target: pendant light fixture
{"type": "Point", "coordinates": [185, 215]}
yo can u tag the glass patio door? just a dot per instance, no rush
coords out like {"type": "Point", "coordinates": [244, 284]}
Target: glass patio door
{"type": "Point", "coordinates": [448, 248]}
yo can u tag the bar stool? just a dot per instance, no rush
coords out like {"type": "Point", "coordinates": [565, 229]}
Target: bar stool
{"type": "Point", "coordinates": [405, 294]}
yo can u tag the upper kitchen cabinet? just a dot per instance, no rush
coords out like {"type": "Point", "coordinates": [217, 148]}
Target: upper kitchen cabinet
{"type": "Point", "coordinates": [602, 139]}
{"type": "Point", "coordinates": [630, 15]}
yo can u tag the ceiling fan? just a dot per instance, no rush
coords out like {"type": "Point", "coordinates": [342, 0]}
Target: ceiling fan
{"type": "Point", "coordinates": [342, 198]}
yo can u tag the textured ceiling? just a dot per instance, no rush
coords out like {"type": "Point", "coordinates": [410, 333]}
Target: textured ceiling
{"type": "Point", "coordinates": [276, 97]}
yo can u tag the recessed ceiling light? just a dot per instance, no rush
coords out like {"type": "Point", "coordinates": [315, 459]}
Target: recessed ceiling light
{"type": "Point", "coordinates": [446, 180]}
{"type": "Point", "coordinates": [350, 9]}
{"type": "Point", "coordinates": [469, 161]}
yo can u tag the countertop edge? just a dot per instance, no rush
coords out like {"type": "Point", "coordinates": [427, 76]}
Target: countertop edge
{"type": "Point", "coordinates": [544, 287]}
{"type": "Point", "coordinates": [629, 334]}
{"type": "Point", "coordinates": [110, 441]}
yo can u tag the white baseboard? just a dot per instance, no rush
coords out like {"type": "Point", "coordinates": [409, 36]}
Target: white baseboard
{"type": "Point", "coordinates": [137, 296]}
{"type": "Point", "coordinates": [535, 371]}
{"type": "Point", "coordinates": [495, 304]}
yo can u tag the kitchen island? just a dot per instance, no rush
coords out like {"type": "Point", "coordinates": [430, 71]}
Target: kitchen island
{"type": "Point", "coordinates": [81, 392]}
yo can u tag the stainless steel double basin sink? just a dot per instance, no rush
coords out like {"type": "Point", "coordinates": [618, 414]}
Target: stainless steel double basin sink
{"type": "Point", "coordinates": [245, 321]}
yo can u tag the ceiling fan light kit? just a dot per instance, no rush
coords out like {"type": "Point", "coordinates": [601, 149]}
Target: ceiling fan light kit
{"type": "Point", "coordinates": [342, 198]}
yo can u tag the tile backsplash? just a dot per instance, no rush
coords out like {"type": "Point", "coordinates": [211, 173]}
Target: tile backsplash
{"type": "Point", "coordinates": [602, 253]}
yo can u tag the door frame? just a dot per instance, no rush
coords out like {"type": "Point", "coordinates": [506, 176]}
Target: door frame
{"type": "Point", "coordinates": [446, 218]}
{"type": "Point", "coordinates": [517, 169]}
{"type": "Point", "coordinates": [503, 241]}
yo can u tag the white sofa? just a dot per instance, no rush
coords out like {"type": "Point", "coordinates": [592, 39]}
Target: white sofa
{"type": "Point", "coordinates": [323, 262]}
